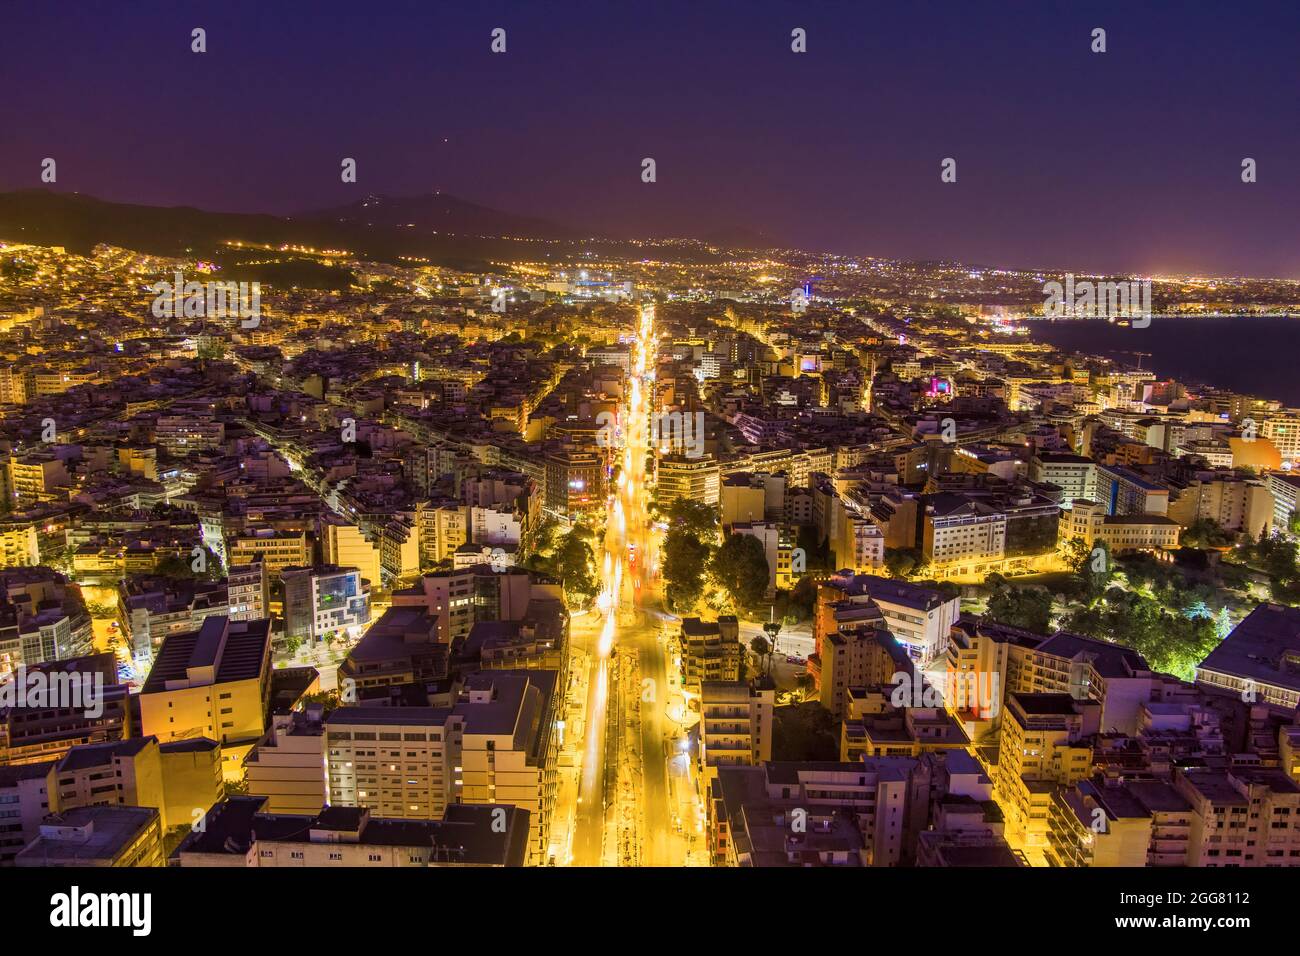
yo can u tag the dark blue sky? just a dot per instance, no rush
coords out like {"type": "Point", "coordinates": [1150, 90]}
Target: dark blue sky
{"type": "Point", "coordinates": [1128, 160]}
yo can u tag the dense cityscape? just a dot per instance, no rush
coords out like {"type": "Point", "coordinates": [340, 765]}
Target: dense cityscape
{"type": "Point", "coordinates": [643, 563]}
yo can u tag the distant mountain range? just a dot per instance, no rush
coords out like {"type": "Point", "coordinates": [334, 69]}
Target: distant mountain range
{"type": "Point", "coordinates": [444, 214]}
{"type": "Point", "coordinates": [443, 229]}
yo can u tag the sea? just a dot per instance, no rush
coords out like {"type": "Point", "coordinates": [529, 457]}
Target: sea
{"type": "Point", "coordinates": [1249, 354]}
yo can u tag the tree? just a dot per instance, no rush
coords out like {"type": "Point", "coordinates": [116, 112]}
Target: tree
{"type": "Point", "coordinates": [692, 517]}
{"type": "Point", "coordinates": [576, 562]}
{"type": "Point", "coordinates": [1096, 570]}
{"type": "Point", "coordinates": [685, 560]}
{"type": "Point", "coordinates": [740, 568]}
{"type": "Point", "coordinates": [816, 550]}
{"type": "Point", "coordinates": [1170, 643]}
{"type": "Point", "coordinates": [900, 562]}
{"type": "Point", "coordinates": [177, 566]}
{"type": "Point", "coordinates": [805, 685]}
{"type": "Point", "coordinates": [1205, 533]}
{"type": "Point", "coordinates": [540, 539]}
{"type": "Point", "coordinates": [762, 649]}
{"type": "Point", "coordinates": [1277, 556]}
{"type": "Point", "coordinates": [328, 699]}
{"type": "Point", "coordinates": [1222, 623]}
{"type": "Point", "coordinates": [803, 598]}
{"type": "Point", "coordinates": [1075, 554]}
{"type": "Point", "coordinates": [1029, 607]}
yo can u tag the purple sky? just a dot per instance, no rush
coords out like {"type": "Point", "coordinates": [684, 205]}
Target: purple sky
{"type": "Point", "coordinates": [1128, 160]}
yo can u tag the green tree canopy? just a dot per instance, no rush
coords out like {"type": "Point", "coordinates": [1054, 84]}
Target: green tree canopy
{"type": "Point", "coordinates": [1028, 607]}
{"type": "Point", "coordinates": [685, 561]}
{"type": "Point", "coordinates": [740, 568]}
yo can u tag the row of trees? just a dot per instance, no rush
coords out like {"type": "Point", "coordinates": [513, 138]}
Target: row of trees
{"type": "Point", "coordinates": [1275, 556]}
{"type": "Point", "coordinates": [568, 555]}
{"type": "Point", "coordinates": [1140, 603]}
{"type": "Point", "coordinates": [694, 559]}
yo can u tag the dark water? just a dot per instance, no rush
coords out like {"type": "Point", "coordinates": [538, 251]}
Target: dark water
{"type": "Point", "coordinates": [1251, 355]}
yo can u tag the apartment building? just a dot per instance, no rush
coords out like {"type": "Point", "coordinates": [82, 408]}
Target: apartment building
{"type": "Point", "coordinates": [19, 545]}
{"type": "Point", "coordinates": [508, 747]}
{"type": "Point", "coordinates": [496, 744]}
{"type": "Point", "coordinates": [152, 607]}
{"type": "Point", "coordinates": [395, 761]}
{"type": "Point", "coordinates": [1091, 824]}
{"type": "Point", "coordinates": [24, 803]}
{"type": "Point", "coordinates": [1043, 744]}
{"type": "Point", "coordinates": [214, 682]}
{"type": "Point", "coordinates": [248, 590]}
{"type": "Point", "coordinates": [35, 477]}
{"type": "Point", "coordinates": [401, 647]}
{"type": "Point", "coordinates": [711, 651]}
{"type": "Point", "coordinates": [443, 527]}
{"type": "Point", "coordinates": [1283, 430]}
{"type": "Point", "coordinates": [1121, 534]}
{"type": "Point", "coordinates": [107, 836]}
{"type": "Point", "coordinates": [177, 779]}
{"type": "Point", "coordinates": [1087, 669]}
{"type": "Point", "coordinates": [1229, 500]}
{"type": "Point", "coordinates": [692, 479]}
{"type": "Point", "coordinates": [963, 534]}
{"type": "Point", "coordinates": [918, 617]}
{"type": "Point", "coordinates": [1122, 491]}
{"type": "Point", "coordinates": [749, 497]}
{"type": "Point", "coordinates": [347, 545]}
{"type": "Point", "coordinates": [874, 727]}
{"type": "Point", "coordinates": [277, 549]}
{"type": "Point", "coordinates": [460, 597]}
{"type": "Point", "coordinates": [1284, 486]}
{"type": "Point", "coordinates": [813, 814]}
{"type": "Point", "coordinates": [180, 435]}
{"type": "Point", "coordinates": [399, 550]}
{"type": "Point", "coordinates": [1075, 475]}
{"type": "Point", "coordinates": [1259, 660]}
{"type": "Point", "coordinates": [984, 653]}
{"type": "Point", "coordinates": [35, 734]}
{"type": "Point", "coordinates": [1241, 816]}
{"type": "Point", "coordinates": [287, 767]}
{"type": "Point", "coordinates": [575, 481]}
{"type": "Point", "coordinates": [858, 657]}
{"type": "Point", "coordinates": [324, 602]}
{"type": "Point", "coordinates": [736, 723]}
{"type": "Point", "coordinates": [246, 832]}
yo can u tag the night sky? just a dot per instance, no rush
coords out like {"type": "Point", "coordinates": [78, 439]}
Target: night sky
{"type": "Point", "coordinates": [1128, 160]}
